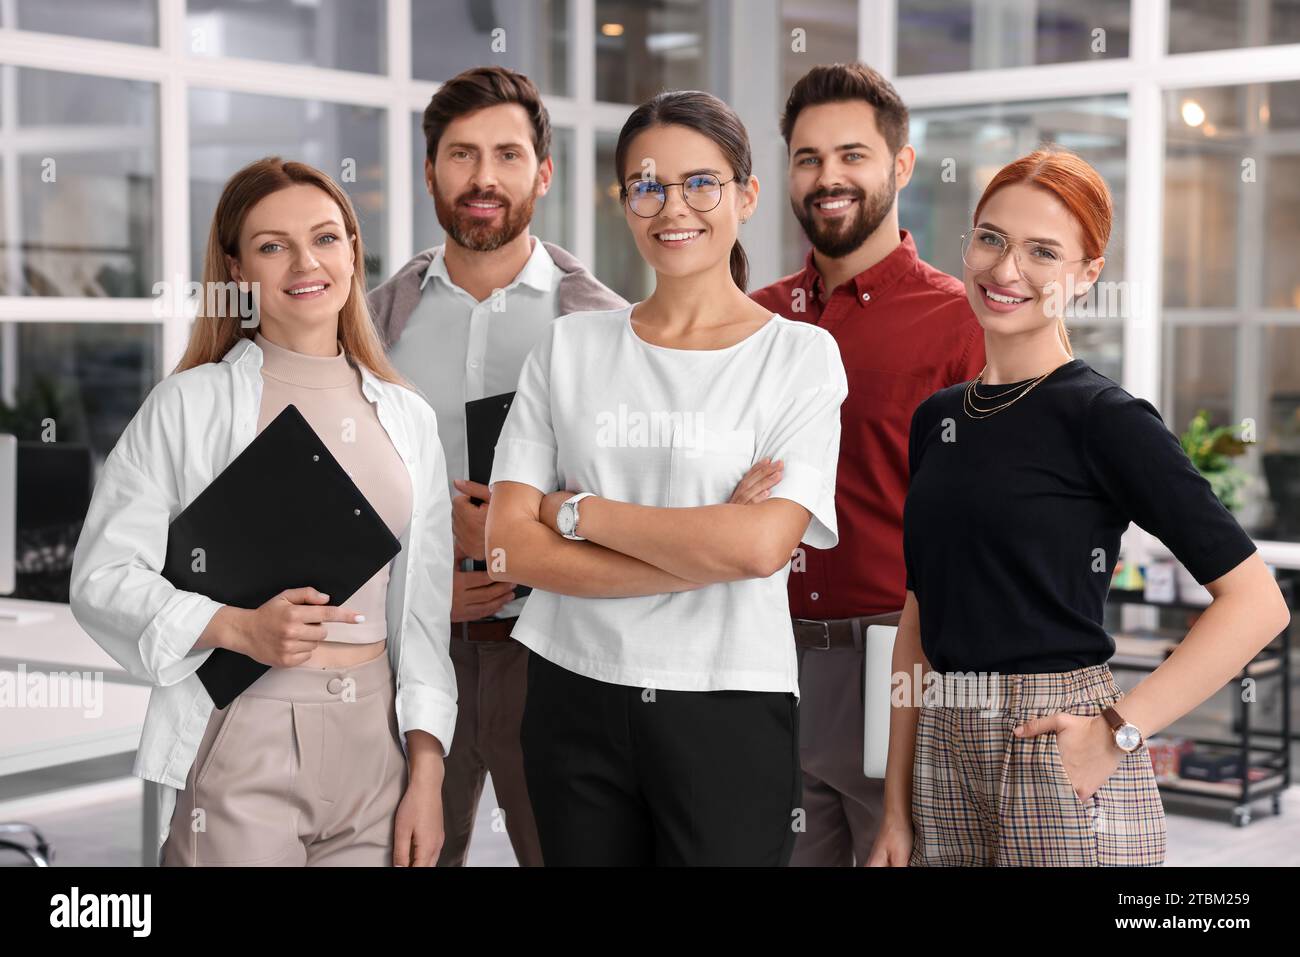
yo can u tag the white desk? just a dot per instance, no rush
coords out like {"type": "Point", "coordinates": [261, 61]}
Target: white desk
{"type": "Point", "coordinates": [32, 738]}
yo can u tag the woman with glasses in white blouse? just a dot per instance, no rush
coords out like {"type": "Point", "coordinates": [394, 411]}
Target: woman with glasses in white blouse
{"type": "Point", "coordinates": [661, 724]}
{"type": "Point", "coordinates": [334, 756]}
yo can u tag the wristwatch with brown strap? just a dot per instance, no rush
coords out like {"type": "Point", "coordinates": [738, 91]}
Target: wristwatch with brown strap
{"type": "Point", "coordinates": [1127, 736]}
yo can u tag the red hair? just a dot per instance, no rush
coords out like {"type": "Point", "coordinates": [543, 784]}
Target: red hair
{"type": "Point", "coordinates": [1073, 181]}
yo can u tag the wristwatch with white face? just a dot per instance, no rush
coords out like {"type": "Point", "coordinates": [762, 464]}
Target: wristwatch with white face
{"type": "Point", "coordinates": [566, 521]}
{"type": "Point", "coordinates": [1127, 736]}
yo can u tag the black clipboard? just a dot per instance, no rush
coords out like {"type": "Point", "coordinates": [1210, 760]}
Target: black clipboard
{"type": "Point", "coordinates": [484, 419]}
{"type": "Point", "coordinates": [283, 514]}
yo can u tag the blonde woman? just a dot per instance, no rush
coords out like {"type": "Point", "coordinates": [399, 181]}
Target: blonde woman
{"type": "Point", "coordinates": [335, 755]}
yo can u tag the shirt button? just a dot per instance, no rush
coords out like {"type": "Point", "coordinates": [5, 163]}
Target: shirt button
{"type": "Point", "coordinates": [814, 596]}
{"type": "Point", "coordinates": [866, 297]}
{"type": "Point", "coordinates": [335, 685]}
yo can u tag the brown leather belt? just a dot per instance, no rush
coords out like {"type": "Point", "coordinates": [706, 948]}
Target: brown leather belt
{"type": "Point", "coordinates": [486, 629]}
{"type": "Point", "coordinates": [838, 632]}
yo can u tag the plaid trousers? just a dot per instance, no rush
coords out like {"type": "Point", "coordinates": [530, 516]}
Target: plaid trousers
{"type": "Point", "coordinates": [983, 797]}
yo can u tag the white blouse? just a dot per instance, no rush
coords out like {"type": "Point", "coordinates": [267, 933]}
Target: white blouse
{"type": "Point", "coordinates": [187, 431]}
{"type": "Point", "coordinates": [598, 409]}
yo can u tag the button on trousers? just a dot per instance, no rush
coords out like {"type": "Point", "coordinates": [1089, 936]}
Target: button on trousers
{"type": "Point", "coordinates": [305, 768]}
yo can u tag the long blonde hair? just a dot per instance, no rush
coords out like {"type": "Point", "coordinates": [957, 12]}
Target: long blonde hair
{"type": "Point", "coordinates": [212, 336]}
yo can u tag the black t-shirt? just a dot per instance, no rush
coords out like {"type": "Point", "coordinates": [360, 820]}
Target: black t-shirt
{"type": "Point", "coordinates": [1012, 523]}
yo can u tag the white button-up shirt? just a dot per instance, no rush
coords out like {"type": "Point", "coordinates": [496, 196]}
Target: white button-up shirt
{"type": "Point", "coordinates": [190, 427]}
{"type": "Point", "coordinates": [457, 349]}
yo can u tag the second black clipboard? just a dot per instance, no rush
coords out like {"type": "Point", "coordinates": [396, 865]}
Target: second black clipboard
{"type": "Point", "coordinates": [484, 419]}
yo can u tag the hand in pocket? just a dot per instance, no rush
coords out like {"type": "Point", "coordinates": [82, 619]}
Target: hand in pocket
{"type": "Point", "coordinates": [1087, 747]}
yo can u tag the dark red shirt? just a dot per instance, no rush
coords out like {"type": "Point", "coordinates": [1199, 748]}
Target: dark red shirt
{"type": "Point", "coordinates": [905, 331]}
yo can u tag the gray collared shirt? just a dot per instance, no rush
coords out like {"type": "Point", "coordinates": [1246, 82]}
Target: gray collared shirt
{"type": "Point", "coordinates": [456, 349]}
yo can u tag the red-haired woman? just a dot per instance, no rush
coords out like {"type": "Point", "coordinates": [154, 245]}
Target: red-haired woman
{"type": "Point", "coordinates": [1020, 749]}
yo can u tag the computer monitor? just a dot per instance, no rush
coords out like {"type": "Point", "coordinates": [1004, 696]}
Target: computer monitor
{"type": "Point", "coordinates": [44, 494]}
{"type": "Point", "coordinates": [53, 493]}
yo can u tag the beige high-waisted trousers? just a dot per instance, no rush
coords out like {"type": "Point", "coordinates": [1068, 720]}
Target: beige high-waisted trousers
{"type": "Point", "coordinates": [304, 768]}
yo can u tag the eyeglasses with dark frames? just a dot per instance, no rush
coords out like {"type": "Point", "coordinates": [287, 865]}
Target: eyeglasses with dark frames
{"type": "Point", "coordinates": [701, 192]}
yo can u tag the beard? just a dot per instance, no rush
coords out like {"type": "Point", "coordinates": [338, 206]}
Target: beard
{"type": "Point", "coordinates": [838, 238]}
{"type": "Point", "coordinates": [473, 233]}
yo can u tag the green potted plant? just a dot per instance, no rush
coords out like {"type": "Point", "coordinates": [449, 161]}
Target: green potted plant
{"type": "Point", "coordinates": [1212, 450]}
{"type": "Point", "coordinates": [26, 417]}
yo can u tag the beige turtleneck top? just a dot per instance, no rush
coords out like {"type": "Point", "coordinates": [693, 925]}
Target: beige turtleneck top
{"type": "Point", "coordinates": [327, 391]}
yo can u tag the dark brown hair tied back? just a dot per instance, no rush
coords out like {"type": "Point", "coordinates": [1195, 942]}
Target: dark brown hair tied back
{"type": "Point", "coordinates": [705, 114]}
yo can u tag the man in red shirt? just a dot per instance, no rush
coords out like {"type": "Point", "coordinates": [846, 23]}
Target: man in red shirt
{"type": "Point", "coordinates": [905, 331]}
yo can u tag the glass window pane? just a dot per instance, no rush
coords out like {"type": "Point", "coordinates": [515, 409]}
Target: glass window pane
{"type": "Point", "coordinates": [339, 34]}
{"type": "Point", "coordinates": [1199, 361]}
{"type": "Point", "coordinates": [946, 36]}
{"type": "Point", "coordinates": [551, 216]}
{"type": "Point", "coordinates": [959, 149]}
{"type": "Point", "coordinates": [1101, 345]}
{"type": "Point", "coordinates": [85, 199]}
{"type": "Point", "coordinates": [830, 36]}
{"type": "Point", "coordinates": [551, 219]}
{"type": "Point", "coordinates": [646, 46]}
{"type": "Point", "coordinates": [1200, 254]}
{"type": "Point", "coordinates": [87, 379]}
{"type": "Point", "coordinates": [124, 21]}
{"type": "Point", "coordinates": [1232, 224]}
{"type": "Point", "coordinates": [1196, 25]}
{"type": "Point", "coordinates": [618, 263]}
{"type": "Point", "coordinates": [1231, 165]}
{"type": "Point", "coordinates": [230, 130]}
{"type": "Point", "coordinates": [1280, 446]}
{"type": "Point", "coordinates": [1281, 285]}
{"type": "Point", "coordinates": [531, 36]}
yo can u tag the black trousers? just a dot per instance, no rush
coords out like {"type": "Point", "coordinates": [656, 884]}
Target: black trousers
{"type": "Point", "coordinates": [620, 775]}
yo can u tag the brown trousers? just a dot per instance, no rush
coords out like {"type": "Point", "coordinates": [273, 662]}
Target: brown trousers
{"type": "Point", "coordinates": [492, 684]}
{"type": "Point", "coordinates": [843, 807]}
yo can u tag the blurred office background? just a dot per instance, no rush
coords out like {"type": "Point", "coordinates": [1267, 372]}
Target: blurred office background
{"type": "Point", "coordinates": [121, 119]}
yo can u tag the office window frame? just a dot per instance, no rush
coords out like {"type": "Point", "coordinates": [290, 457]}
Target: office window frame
{"type": "Point", "coordinates": [1145, 76]}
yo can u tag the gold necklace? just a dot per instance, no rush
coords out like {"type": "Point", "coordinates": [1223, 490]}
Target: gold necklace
{"type": "Point", "coordinates": [1005, 392]}
{"type": "Point", "coordinates": [970, 408]}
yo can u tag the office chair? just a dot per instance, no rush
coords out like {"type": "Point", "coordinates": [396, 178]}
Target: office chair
{"type": "Point", "coordinates": [38, 851]}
